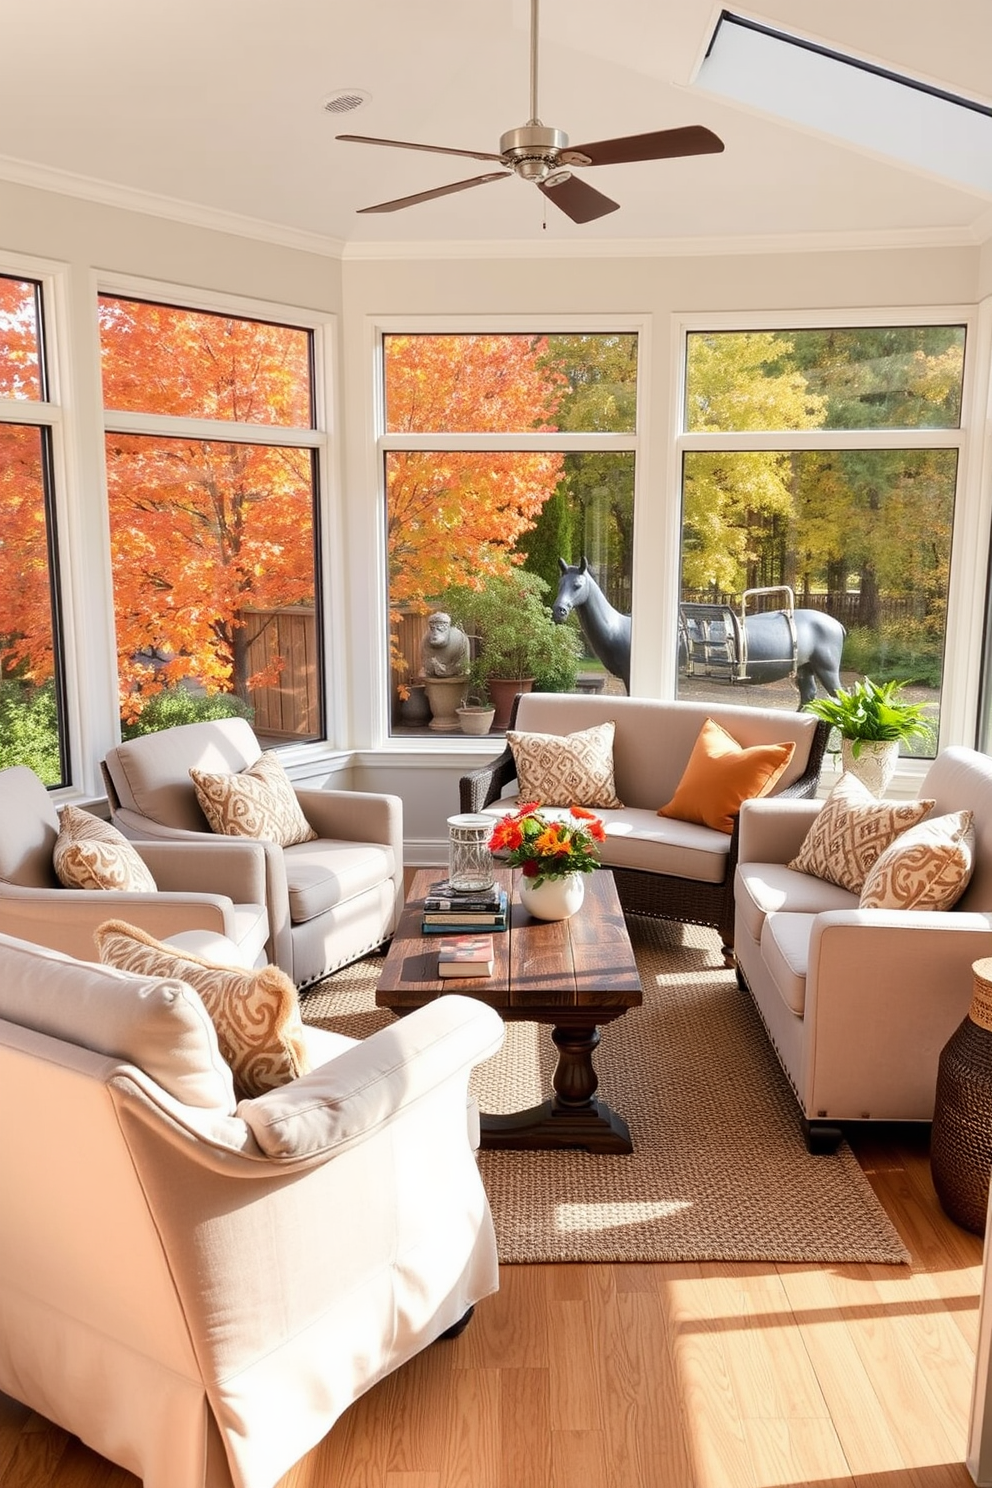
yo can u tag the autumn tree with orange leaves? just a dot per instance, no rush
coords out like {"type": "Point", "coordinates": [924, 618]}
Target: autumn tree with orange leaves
{"type": "Point", "coordinates": [203, 529]}
{"type": "Point", "coordinates": [454, 518]}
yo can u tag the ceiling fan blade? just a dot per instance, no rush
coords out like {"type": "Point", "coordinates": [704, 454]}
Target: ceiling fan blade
{"type": "Point", "coordinates": [422, 196]}
{"type": "Point", "coordinates": [366, 139]}
{"type": "Point", "coordinates": [581, 202]}
{"type": "Point", "coordinates": [663, 144]}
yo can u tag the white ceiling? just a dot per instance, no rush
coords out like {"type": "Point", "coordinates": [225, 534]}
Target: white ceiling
{"type": "Point", "coordinates": [210, 107]}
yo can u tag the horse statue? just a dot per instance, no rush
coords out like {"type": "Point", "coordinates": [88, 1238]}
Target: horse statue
{"type": "Point", "coordinates": [779, 643]}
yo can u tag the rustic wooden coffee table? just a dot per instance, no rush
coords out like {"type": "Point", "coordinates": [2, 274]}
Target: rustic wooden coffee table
{"type": "Point", "coordinates": [574, 974]}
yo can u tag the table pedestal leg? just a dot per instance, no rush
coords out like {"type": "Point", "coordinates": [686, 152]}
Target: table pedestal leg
{"type": "Point", "coordinates": [572, 1117]}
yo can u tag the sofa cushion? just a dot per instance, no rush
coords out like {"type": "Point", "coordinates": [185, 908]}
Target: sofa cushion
{"type": "Point", "coordinates": [851, 831]}
{"type": "Point", "coordinates": [566, 769]}
{"type": "Point", "coordinates": [720, 774]}
{"type": "Point", "coordinates": [161, 1026]}
{"type": "Point", "coordinates": [785, 952]}
{"type": "Point", "coordinates": [927, 867]}
{"type": "Point", "coordinates": [256, 1013]}
{"type": "Point", "coordinates": [255, 802]}
{"type": "Point", "coordinates": [326, 873]}
{"type": "Point", "coordinates": [92, 854]}
{"type": "Point", "coordinates": [766, 888]}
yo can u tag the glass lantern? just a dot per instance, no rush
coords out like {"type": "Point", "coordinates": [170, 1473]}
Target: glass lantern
{"type": "Point", "coordinates": [470, 863]}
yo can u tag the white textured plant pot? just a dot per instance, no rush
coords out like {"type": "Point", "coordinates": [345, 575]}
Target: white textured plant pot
{"type": "Point", "coordinates": [875, 764]}
{"type": "Point", "coordinates": [555, 898]}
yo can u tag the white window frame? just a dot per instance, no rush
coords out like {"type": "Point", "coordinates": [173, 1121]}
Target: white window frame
{"type": "Point", "coordinates": [327, 523]}
{"type": "Point", "coordinates": [56, 415]}
{"type": "Point", "coordinates": [972, 505]}
{"type": "Point", "coordinates": [377, 329]}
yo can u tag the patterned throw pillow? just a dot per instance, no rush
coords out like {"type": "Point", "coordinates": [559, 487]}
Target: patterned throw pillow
{"type": "Point", "coordinates": [720, 774]}
{"type": "Point", "coordinates": [92, 854]}
{"type": "Point", "coordinates": [851, 831]}
{"type": "Point", "coordinates": [257, 802]}
{"type": "Point", "coordinates": [566, 769]}
{"type": "Point", "coordinates": [256, 1013]}
{"type": "Point", "coordinates": [927, 867]}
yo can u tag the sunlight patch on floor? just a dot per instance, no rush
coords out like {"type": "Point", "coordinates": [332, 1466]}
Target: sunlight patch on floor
{"type": "Point", "coordinates": [576, 1218]}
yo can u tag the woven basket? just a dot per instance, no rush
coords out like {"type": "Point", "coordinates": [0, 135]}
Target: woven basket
{"type": "Point", "coordinates": [961, 1137]}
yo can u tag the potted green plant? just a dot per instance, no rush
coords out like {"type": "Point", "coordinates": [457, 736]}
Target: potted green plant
{"type": "Point", "coordinates": [516, 644]}
{"type": "Point", "coordinates": [873, 720]}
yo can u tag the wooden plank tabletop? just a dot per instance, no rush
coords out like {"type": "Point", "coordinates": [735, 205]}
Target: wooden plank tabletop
{"type": "Point", "coordinates": [543, 969]}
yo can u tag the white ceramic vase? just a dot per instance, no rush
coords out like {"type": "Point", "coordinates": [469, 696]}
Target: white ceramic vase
{"type": "Point", "coordinates": [555, 898]}
{"type": "Point", "coordinates": [875, 764]}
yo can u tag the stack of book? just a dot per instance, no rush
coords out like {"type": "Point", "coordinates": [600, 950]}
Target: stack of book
{"type": "Point", "coordinates": [465, 956]}
{"type": "Point", "coordinates": [447, 912]}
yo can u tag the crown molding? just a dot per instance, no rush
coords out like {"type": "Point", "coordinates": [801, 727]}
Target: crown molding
{"type": "Point", "coordinates": [133, 199]}
{"type": "Point", "coordinates": [729, 246]}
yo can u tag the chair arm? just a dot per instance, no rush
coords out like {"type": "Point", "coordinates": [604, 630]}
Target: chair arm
{"type": "Point", "coordinates": [354, 816]}
{"type": "Point", "coordinates": [231, 866]}
{"type": "Point", "coordinates": [375, 1080]}
{"type": "Point", "coordinates": [479, 788]}
{"type": "Point", "coordinates": [809, 781]}
{"type": "Point", "coordinates": [65, 919]}
{"type": "Point", "coordinates": [772, 828]}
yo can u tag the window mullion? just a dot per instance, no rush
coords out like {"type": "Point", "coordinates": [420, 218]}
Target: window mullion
{"type": "Point", "coordinates": [220, 430]}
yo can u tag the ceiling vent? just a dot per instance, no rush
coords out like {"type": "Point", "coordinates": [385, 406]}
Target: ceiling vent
{"type": "Point", "coordinates": [346, 100]}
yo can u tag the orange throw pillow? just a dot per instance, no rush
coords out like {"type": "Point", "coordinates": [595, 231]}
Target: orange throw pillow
{"type": "Point", "coordinates": [721, 774]}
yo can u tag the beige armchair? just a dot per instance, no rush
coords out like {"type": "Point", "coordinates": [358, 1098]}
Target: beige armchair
{"type": "Point", "coordinates": [198, 1289]}
{"type": "Point", "coordinates": [331, 900]}
{"type": "Point", "coordinates": [203, 895]}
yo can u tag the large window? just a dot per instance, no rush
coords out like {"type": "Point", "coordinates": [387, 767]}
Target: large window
{"type": "Point", "coordinates": [32, 714]}
{"type": "Point", "coordinates": [506, 456]}
{"type": "Point", "coordinates": [211, 451]}
{"type": "Point", "coordinates": [819, 470]}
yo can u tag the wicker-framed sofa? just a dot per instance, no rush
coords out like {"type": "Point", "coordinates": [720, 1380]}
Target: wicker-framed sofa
{"type": "Point", "coordinates": [669, 869]}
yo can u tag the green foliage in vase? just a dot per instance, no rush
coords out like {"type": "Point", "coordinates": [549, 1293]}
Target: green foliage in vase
{"type": "Point", "coordinates": [873, 712]}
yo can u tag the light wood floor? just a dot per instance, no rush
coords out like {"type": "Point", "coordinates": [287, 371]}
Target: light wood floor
{"type": "Point", "coordinates": [662, 1376]}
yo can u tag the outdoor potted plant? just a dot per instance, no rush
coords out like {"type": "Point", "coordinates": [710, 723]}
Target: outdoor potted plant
{"type": "Point", "coordinates": [872, 721]}
{"type": "Point", "coordinates": [477, 713]}
{"type": "Point", "coordinates": [517, 646]}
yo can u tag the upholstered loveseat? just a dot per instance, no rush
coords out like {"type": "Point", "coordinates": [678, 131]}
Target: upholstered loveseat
{"type": "Point", "coordinates": [195, 1285]}
{"type": "Point", "coordinates": [666, 867]}
{"type": "Point", "coordinates": [857, 1001]}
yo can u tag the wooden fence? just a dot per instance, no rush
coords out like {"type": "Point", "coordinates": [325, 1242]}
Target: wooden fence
{"type": "Point", "coordinates": [291, 708]}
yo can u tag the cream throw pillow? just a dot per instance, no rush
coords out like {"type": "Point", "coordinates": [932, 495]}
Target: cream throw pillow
{"type": "Point", "coordinates": [566, 769]}
{"type": "Point", "coordinates": [256, 1013]}
{"type": "Point", "coordinates": [927, 867]}
{"type": "Point", "coordinates": [851, 831]}
{"type": "Point", "coordinates": [257, 802]}
{"type": "Point", "coordinates": [92, 854]}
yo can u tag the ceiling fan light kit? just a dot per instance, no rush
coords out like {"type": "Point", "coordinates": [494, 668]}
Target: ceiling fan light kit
{"type": "Point", "coordinates": [542, 155]}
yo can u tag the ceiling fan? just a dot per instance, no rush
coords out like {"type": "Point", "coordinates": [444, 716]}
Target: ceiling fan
{"type": "Point", "coordinates": [544, 156]}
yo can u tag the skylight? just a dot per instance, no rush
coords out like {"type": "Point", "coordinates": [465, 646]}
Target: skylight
{"type": "Point", "coordinates": [868, 106]}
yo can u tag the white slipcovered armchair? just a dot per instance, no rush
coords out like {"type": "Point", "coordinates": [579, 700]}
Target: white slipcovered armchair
{"type": "Point", "coordinates": [331, 900]}
{"type": "Point", "coordinates": [202, 897]}
{"type": "Point", "coordinates": [198, 1288]}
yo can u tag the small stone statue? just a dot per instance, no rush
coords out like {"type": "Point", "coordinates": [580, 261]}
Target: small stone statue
{"type": "Point", "coordinates": [444, 651]}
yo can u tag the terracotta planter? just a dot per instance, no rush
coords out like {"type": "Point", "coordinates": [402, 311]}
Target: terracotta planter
{"type": "Point", "coordinates": [555, 898]}
{"type": "Point", "coordinates": [502, 691]}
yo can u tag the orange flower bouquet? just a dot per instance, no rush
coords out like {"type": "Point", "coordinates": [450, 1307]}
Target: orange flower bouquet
{"type": "Point", "coordinates": [548, 847]}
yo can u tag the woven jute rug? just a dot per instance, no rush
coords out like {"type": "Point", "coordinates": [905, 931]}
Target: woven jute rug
{"type": "Point", "coordinates": [719, 1169]}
